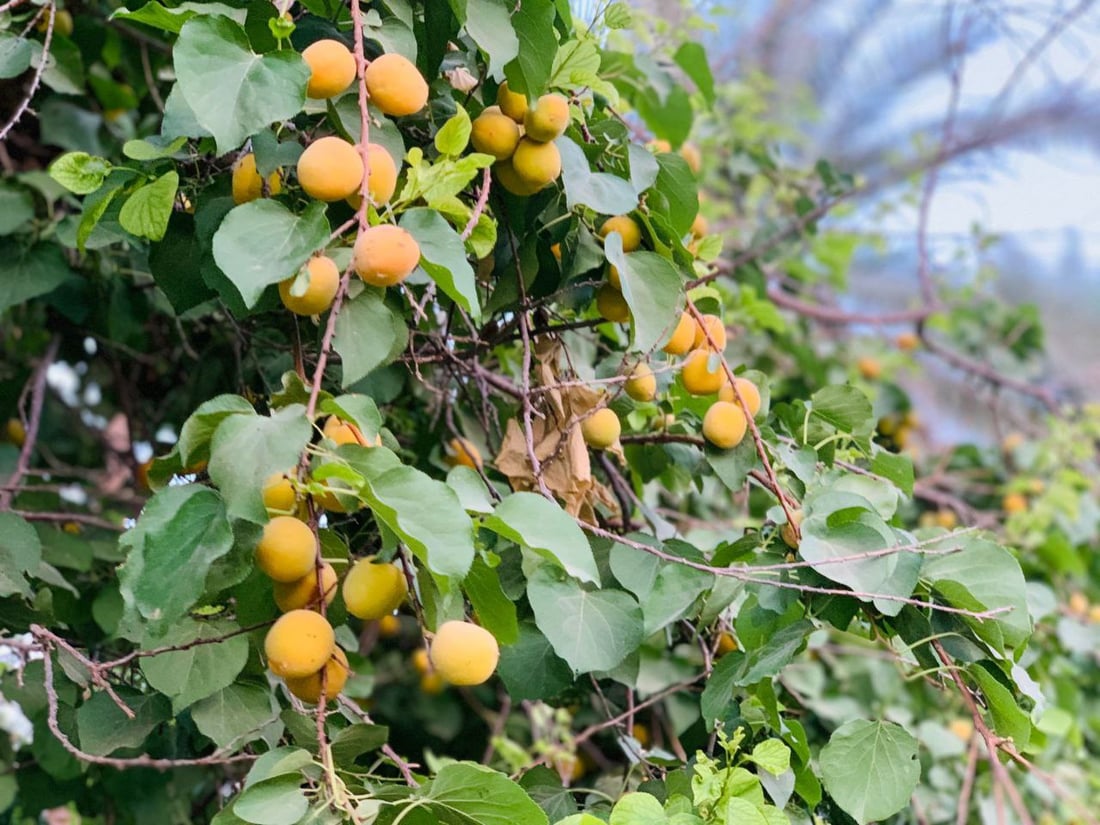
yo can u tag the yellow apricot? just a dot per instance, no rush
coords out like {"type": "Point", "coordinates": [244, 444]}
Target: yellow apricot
{"type": "Point", "coordinates": [548, 119]}
{"type": "Point", "coordinates": [247, 184]}
{"type": "Point", "coordinates": [331, 67]}
{"type": "Point", "coordinates": [907, 341]}
{"type": "Point", "coordinates": [324, 281]}
{"type": "Point", "coordinates": [690, 153]}
{"type": "Point", "coordinates": [642, 383]}
{"type": "Point", "coordinates": [372, 590]}
{"type": "Point", "coordinates": [299, 643]}
{"type": "Point", "coordinates": [659, 146]}
{"type": "Point", "coordinates": [555, 250]}
{"type": "Point", "coordinates": [509, 178]}
{"type": "Point", "coordinates": [385, 255]}
{"type": "Point", "coordinates": [601, 429]}
{"type": "Point", "coordinates": [789, 531]}
{"type": "Point", "coordinates": [395, 86]}
{"type": "Point", "coordinates": [682, 337]}
{"type": "Point", "coordinates": [432, 684]}
{"type": "Point", "coordinates": [611, 304]}
{"type": "Point", "coordinates": [641, 734]}
{"type": "Point", "coordinates": [946, 519]}
{"type": "Point", "coordinates": [330, 169]}
{"type": "Point", "coordinates": [344, 432]}
{"type": "Point", "coordinates": [749, 393]}
{"type": "Point", "coordinates": [962, 728]}
{"type": "Point", "coordinates": [627, 228]}
{"type": "Point", "coordinates": [1094, 613]}
{"type": "Point", "coordinates": [869, 367]}
{"type": "Point", "coordinates": [1078, 603]}
{"type": "Point", "coordinates": [726, 643]}
{"type": "Point", "coordinates": [287, 549]}
{"type": "Point", "coordinates": [461, 452]}
{"type": "Point", "coordinates": [699, 226]}
{"type": "Point", "coordinates": [303, 592]}
{"type": "Point", "coordinates": [62, 23]}
{"type": "Point", "coordinates": [512, 103]}
{"type": "Point", "coordinates": [463, 653]}
{"type": "Point", "coordinates": [494, 133]}
{"type": "Point", "coordinates": [278, 493]}
{"type": "Point", "coordinates": [15, 432]}
{"type": "Point", "coordinates": [389, 626]}
{"type": "Point", "coordinates": [1012, 442]}
{"type": "Point", "coordinates": [538, 164]}
{"type": "Point", "coordinates": [308, 688]}
{"type": "Point", "coordinates": [698, 376]}
{"type": "Point", "coordinates": [420, 661]}
{"type": "Point", "coordinates": [724, 425]}
{"type": "Point", "coordinates": [383, 176]}
{"type": "Point", "coordinates": [1014, 503]}
{"type": "Point", "coordinates": [713, 325]}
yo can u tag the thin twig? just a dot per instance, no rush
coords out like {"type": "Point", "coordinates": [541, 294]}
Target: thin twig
{"type": "Point", "coordinates": [33, 421]}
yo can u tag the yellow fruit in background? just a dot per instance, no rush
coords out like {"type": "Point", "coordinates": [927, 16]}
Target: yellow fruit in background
{"type": "Point", "coordinates": [324, 281]}
{"type": "Point", "coordinates": [713, 326]}
{"type": "Point", "coordinates": [869, 367]}
{"type": "Point", "coordinates": [62, 23]}
{"type": "Point", "coordinates": [749, 393]}
{"type": "Point", "coordinates": [385, 255]}
{"type": "Point", "coordinates": [330, 169]}
{"type": "Point", "coordinates": [302, 592]}
{"type": "Point", "coordinates": [548, 119]}
{"type": "Point", "coordinates": [724, 425]}
{"type": "Point", "coordinates": [601, 429]}
{"type": "Point", "coordinates": [690, 153]}
{"type": "Point", "coordinates": [16, 433]}
{"type": "Point", "coordinates": [659, 146]}
{"type": "Point", "coordinates": [1094, 614]}
{"type": "Point", "coordinates": [1014, 503]}
{"type": "Point", "coordinates": [389, 626]}
{"type": "Point", "coordinates": [699, 226]}
{"type": "Point", "coordinates": [343, 432]}
{"type": "Point", "coordinates": [682, 337]}
{"type": "Point", "coordinates": [287, 549]}
{"type": "Point", "coordinates": [726, 643]}
{"type": "Point", "coordinates": [331, 66]}
{"type": "Point", "coordinates": [511, 103]}
{"type": "Point", "coordinates": [699, 376]}
{"type": "Point", "coordinates": [299, 644]}
{"type": "Point", "coordinates": [395, 85]}
{"type": "Point", "coordinates": [308, 688]}
{"type": "Point", "coordinates": [278, 493]}
{"type": "Point", "coordinates": [1078, 603]}
{"type": "Point", "coordinates": [463, 653]}
{"type": "Point", "coordinates": [537, 164]}
{"type": "Point", "coordinates": [420, 661]}
{"type": "Point", "coordinates": [247, 185]}
{"type": "Point", "coordinates": [432, 684]}
{"type": "Point", "coordinates": [611, 304]}
{"type": "Point", "coordinates": [461, 452]}
{"type": "Point", "coordinates": [372, 590]}
{"type": "Point", "coordinates": [962, 728]}
{"type": "Point", "coordinates": [641, 734]}
{"type": "Point", "coordinates": [907, 341]}
{"type": "Point", "coordinates": [627, 228]}
{"type": "Point", "coordinates": [787, 531]}
{"type": "Point", "coordinates": [642, 383]}
{"type": "Point", "coordinates": [494, 133]}
{"type": "Point", "coordinates": [946, 519]}
{"type": "Point", "coordinates": [511, 181]}
{"type": "Point", "coordinates": [1012, 442]}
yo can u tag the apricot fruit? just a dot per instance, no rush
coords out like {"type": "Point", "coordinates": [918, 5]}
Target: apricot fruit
{"type": "Point", "coordinates": [461, 452]}
{"type": "Point", "coordinates": [641, 734]}
{"type": "Point", "coordinates": [299, 644]}
{"type": "Point", "coordinates": [682, 337]}
{"type": "Point", "coordinates": [373, 590]}
{"type": "Point", "coordinates": [420, 661]}
{"type": "Point", "coordinates": [15, 431]}
{"type": "Point", "coordinates": [627, 228]}
{"type": "Point", "coordinates": [698, 375]}
{"type": "Point", "coordinates": [788, 532]}
{"type": "Point", "coordinates": [1078, 603]}
{"type": "Point", "coordinates": [962, 728]}
{"type": "Point", "coordinates": [383, 177]}
{"type": "Point", "coordinates": [946, 519]}
{"type": "Point", "coordinates": [642, 383]}
{"type": "Point", "coordinates": [726, 643]}
{"type": "Point", "coordinates": [308, 688]}
{"type": "Point", "coordinates": [247, 185]}
{"type": "Point", "coordinates": [302, 593]}
{"type": "Point", "coordinates": [331, 68]}
{"type": "Point", "coordinates": [699, 226]}
{"type": "Point", "coordinates": [601, 429]}
{"type": "Point", "coordinates": [330, 169]}
{"type": "Point", "coordinates": [659, 146]}
{"type": "Point", "coordinates": [343, 432]}
{"type": "Point", "coordinates": [511, 103]}
{"type": "Point", "coordinates": [509, 178]}
{"type": "Point", "coordinates": [287, 549]}
{"type": "Point", "coordinates": [749, 394]}
{"type": "Point", "coordinates": [385, 255]}
{"type": "Point", "coordinates": [724, 425]}
{"type": "Point", "coordinates": [494, 133]}
{"type": "Point", "coordinates": [548, 119]}
{"type": "Point", "coordinates": [611, 304]}
{"type": "Point", "coordinates": [324, 281]}
{"type": "Point", "coordinates": [713, 326]}
{"type": "Point", "coordinates": [395, 86]}
{"type": "Point", "coordinates": [389, 626]}
{"type": "Point", "coordinates": [1014, 503]}
{"type": "Point", "coordinates": [907, 341]}
{"type": "Point", "coordinates": [869, 368]}
{"type": "Point", "coordinates": [537, 164]}
{"type": "Point", "coordinates": [463, 653]}
{"type": "Point", "coordinates": [432, 684]}
{"type": "Point", "coordinates": [690, 153]}
{"type": "Point", "coordinates": [278, 493]}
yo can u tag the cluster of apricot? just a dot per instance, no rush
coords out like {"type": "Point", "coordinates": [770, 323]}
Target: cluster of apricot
{"type": "Point", "coordinates": [521, 139]}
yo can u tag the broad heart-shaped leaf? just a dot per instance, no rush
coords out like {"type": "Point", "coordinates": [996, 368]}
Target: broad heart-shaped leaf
{"type": "Point", "coordinates": [541, 525]}
{"type": "Point", "coordinates": [247, 449]}
{"type": "Point", "coordinates": [368, 335]}
{"type": "Point", "coordinates": [531, 669]}
{"type": "Point", "coordinates": [80, 172]}
{"type": "Point", "coordinates": [463, 793]}
{"type": "Point", "coordinates": [601, 191]}
{"type": "Point", "coordinates": [870, 769]}
{"type": "Point", "coordinates": [233, 91]}
{"type": "Point", "coordinates": [428, 517]}
{"type": "Point", "coordinates": [198, 429]}
{"type": "Point", "coordinates": [262, 242]}
{"type": "Point", "coordinates": [146, 212]}
{"type": "Point", "coordinates": [443, 256]}
{"type": "Point", "coordinates": [15, 55]}
{"type": "Point", "coordinates": [589, 629]}
{"type": "Point", "coordinates": [638, 809]}
{"type": "Point", "coordinates": [28, 273]}
{"type": "Point", "coordinates": [104, 728]}
{"type": "Point", "coordinates": [675, 193]}
{"type": "Point", "coordinates": [172, 19]}
{"type": "Point", "coordinates": [692, 58]}
{"type": "Point", "coordinates": [20, 553]}
{"type": "Point", "coordinates": [654, 291]}
{"type": "Point", "coordinates": [186, 676]}
{"type": "Point", "coordinates": [181, 532]}
{"type": "Point", "coordinates": [665, 590]}
{"type": "Point", "coordinates": [275, 801]}
{"type": "Point", "coordinates": [235, 715]}
{"type": "Point", "coordinates": [538, 44]}
{"type": "Point", "coordinates": [490, 25]}
{"type": "Point", "coordinates": [846, 408]}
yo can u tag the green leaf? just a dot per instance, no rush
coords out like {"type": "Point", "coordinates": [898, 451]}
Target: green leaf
{"type": "Point", "coordinates": [533, 22]}
{"type": "Point", "coordinates": [15, 55]}
{"type": "Point", "coordinates": [454, 135]}
{"type": "Point", "coordinates": [638, 809]}
{"type": "Point", "coordinates": [368, 335]}
{"type": "Point", "coordinates": [1009, 720]}
{"type": "Point", "coordinates": [604, 192]}
{"type": "Point", "coordinates": [20, 554]}
{"type": "Point", "coordinates": [666, 591]}
{"type": "Point", "coordinates": [589, 629]}
{"type": "Point", "coordinates": [494, 610]}
{"type": "Point", "coordinates": [732, 466]}
{"type": "Point", "coordinates": [692, 58]}
{"type": "Point", "coordinates": [652, 288]}
{"type": "Point", "coordinates": [95, 207]}
{"type": "Point", "coordinates": [174, 261]}
{"type": "Point", "coordinates": [543, 526]}
{"type": "Point", "coordinates": [530, 668]}
{"type": "Point", "coordinates": [846, 408]}
{"type": "Point", "coordinates": [896, 468]}
{"type": "Point", "coordinates": [16, 207]}
{"type": "Point", "coordinates": [360, 738]}
{"type": "Point", "coordinates": [198, 429]}
{"type": "Point", "coordinates": [147, 210]}
{"type": "Point", "coordinates": [230, 715]}
{"type": "Point", "coordinates": [490, 25]}
{"type": "Point", "coordinates": [80, 172]}
{"type": "Point", "coordinates": [104, 728]}
{"type": "Point", "coordinates": [233, 91]}
{"type": "Point", "coordinates": [773, 756]}
{"type": "Point", "coordinates": [186, 676]}
{"type": "Point", "coordinates": [443, 256]}
{"type": "Point", "coordinates": [870, 769]}
{"type": "Point", "coordinates": [262, 243]}
{"type": "Point", "coordinates": [276, 801]}
{"type": "Point", "coordinates": [463, 793]}
{"type": "Point", "coordinates": [152, 148]}
{"type": "Point", "coordinates": [172, 19]}
{"type": "Point", "coordinates": [677, 194]}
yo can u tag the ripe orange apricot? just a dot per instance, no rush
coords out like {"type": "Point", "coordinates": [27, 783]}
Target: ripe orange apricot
{"type": "Point", "coordinates": [299, 643]}
{"type": "Point", "coordinates": [659, 146]}
{"type": "Point", "coordinates": [601, 429]}
{"type": "Point", "coordinates": [788, 531]}
{"type": "Point", "coordinates": [962, 728]}
{"type": "Point", "coordinates": [247, 185]}
{"type": "Point", "coordinates": [344, 432]}
{"type": "Point", "coordinates": [463, 653]}
{"type": "Point", "coordinates": [717, 330]}
{"type": "Point", "coordinates": [726, 643]}
{"type": "Point", "coordinates": [611, 304]}
{"type": "Point", "coordinates": [699, 376]}
{"type": "Point", "coordinates": [383, 176]}
{"type": "Point", "coordinates": [512, 103]}
{"type": "Point", "coordinates": [331, 66]}
{"type": "Point", "coordinates": [510, 179]}
{"type": "Point", "coordinates": [302, 592]}
{"type": "Point", "coordinates": [308, 688]}
{"type": "Point", "coordinates": [395, 85]}
{"type": "Point", "coordinates": [746, 388]}
{"type": "Point", "coordinates": [420, 661]}
{"type": "Point", "coordinates": [389, 626]}
{"type": "Point", "coordinates": [278, 493]}
{"type": "Point", "coordinates": [627, 228]}
{"type": "Point", "coordinates": [1014, 503]}
{"type": "Point", "coordinates": [724, 425]}
{"type": "Point", "coordinates": [287, 549]}
{"type": "Point", "coordinates": [642, 384]}
{"type": "Point", "coordinates": [548, 119]}
{"type": "Point", "coordinates": [324, 281]}
{"type": "Point", "coordinates": [330, 169]}
{"type": "Point", "coordinates": [907, 341]}
{"type": "Point", "coordinates": [494, 133]}
{"type": "Point", "coordinates": [690, 153]}
{"type": "Point", "coordinates": [699, 226]}
{"type": "Point", "coordinates": [385, 255]}
{"type": "Point", "coordinates": [537, 164]}
{"type": "Point", "coordinates": [462, 452]}
{"type": "Point", "coordinates": [372, 590]}
{"type": "Point", "coordinates": [869, 367]}
{"type": "Point", "coordinates": [682, 337]}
